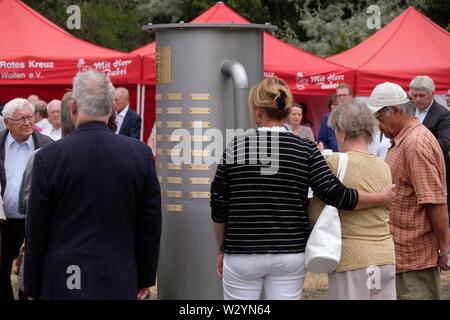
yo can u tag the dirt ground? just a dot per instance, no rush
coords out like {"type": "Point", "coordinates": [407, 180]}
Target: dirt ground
{"type": "Point", "coordinates": [316, 287]}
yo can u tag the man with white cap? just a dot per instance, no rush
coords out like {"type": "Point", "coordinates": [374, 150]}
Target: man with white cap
{"type": "Point", "coordinates": [418, 217]}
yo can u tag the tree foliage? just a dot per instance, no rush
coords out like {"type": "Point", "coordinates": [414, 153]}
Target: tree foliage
{"type": "Point", "coordinates": [322, 27]}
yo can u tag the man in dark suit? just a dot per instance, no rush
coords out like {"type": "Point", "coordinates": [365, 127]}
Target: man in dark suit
{"type": "Point", "coordinates": [17, 143]}
{"type": "Point", "coordinates": [94, 212]}
{"type": "Point", "coordinates": [434, 116]}
{"type": "Point", "coordinates": [128, 121]}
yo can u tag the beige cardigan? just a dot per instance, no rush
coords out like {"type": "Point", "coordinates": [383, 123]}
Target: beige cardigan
{"type": "Point", "coordinates": [366, 237]}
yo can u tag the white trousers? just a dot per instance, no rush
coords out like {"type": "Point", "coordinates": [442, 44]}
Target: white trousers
{"type": "Point", "coordinates": [281, 275]}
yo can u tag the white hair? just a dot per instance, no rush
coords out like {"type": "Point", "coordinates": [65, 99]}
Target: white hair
{"type": "Point", "coordinates": [15, 105]}
{"type": "Point", "coordinates": [422, 83]}
{"type": "Point", "coordinates": [94, 93]}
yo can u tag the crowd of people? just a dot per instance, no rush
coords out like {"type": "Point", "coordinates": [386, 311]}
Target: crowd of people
{"type": "Point", "coordinates": [81, 214]}
{"type": "Point", "coordinates": [401, 236]}
{"type": "Point", "coordinates": [84, 212]}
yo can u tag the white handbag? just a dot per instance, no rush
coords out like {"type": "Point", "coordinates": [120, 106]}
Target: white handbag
{"type": "Point", "coordinates": [323, 249]}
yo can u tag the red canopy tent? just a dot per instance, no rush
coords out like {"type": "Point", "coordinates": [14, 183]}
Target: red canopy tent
{"type": "Point", "coordinates": [38, 57]}
{"type": "Point", "coordinates": [408, 46]}
{"type": "Point", "coordinates": [310, 78]}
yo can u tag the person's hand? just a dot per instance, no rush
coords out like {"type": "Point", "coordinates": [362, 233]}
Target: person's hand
{"type": "Point", "coordinates": [219, 268]}
{"type": "Point", "coordinates": [388, 195]}
{"type": "Point", "coordinates": [443, 262]}
{"type": "Point", "coordinates": [142, 293]}
{"type": "Point", "coordinates": [320, 146]}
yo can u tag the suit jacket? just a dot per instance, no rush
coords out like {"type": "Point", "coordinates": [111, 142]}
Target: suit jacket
{"type": "Point", "coordinates": [40, 140]}
{"type": "Point", "coordinates": [437, 121]}
{"type": "Point", "coordinates": [94, 217]}
{"type": "Point", "coordinates": [131, 125]}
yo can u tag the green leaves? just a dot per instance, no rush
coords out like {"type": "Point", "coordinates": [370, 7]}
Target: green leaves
{"type": "Point", "coordinates": [322, 27]}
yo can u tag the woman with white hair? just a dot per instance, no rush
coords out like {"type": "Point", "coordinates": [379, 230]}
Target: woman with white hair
{"type": "Point", "coordinates": [367, 267]}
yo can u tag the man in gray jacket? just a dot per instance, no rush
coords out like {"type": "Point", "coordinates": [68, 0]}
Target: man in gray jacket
{"type": "Point", "coordinates": [17, 144]}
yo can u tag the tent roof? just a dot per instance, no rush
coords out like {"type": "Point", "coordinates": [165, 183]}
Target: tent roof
{"type": "Point", "coordinates": [220, 13]}
{"type": "Point", "coordinates": [28, 36]}
{"type": "Point", "coordinates": [408, 46]}
{"type": "Point", "coordinates": [304, 72]}
{"type": "Point", "coordinates": [148, 49]}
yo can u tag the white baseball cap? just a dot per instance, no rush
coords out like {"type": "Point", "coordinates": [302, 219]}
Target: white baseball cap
{"type": "Point", "coordinates": [385, 95]}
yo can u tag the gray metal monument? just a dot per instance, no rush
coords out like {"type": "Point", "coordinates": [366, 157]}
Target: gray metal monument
{"type": "Point", "coordinates": [203, 73]}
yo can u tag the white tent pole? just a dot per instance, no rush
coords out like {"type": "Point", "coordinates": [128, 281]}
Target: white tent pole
{"type": "Point", "coordinates": [138, 99]}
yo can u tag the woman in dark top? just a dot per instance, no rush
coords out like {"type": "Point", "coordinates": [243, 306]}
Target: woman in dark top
{"type": "Point", "coordinates": [259, 200]}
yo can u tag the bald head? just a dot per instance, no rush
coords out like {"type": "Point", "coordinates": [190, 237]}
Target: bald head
{"type": "Point", "coordinates": [121, 99]}
{"type": "Point", "coordinates": [54, 112]}
{"type": "Point", "coordinates": [33, 98]}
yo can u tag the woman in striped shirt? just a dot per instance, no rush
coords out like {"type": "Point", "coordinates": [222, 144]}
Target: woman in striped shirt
{"type": "Point", "coordinates": [259, 200]}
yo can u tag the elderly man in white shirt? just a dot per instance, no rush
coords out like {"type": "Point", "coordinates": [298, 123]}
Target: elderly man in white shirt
{"type": "Point", "coordinates": [54, 117]}
{"type": "Point", "coordinates": [17, 143]}
{"type": "Point", "coordinates": [128, 121]}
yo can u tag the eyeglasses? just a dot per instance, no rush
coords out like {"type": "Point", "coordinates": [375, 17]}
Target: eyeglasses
{"type": "Point", "coordinates": [23, 120]}
{"type": "Point", "coordinates": [343, 95]}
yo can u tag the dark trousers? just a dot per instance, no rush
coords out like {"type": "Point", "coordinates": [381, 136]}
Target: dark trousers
{"type": "Point", "coordinates": [12, 235]}
{"type": "Point", "coordinates": [22, 295]}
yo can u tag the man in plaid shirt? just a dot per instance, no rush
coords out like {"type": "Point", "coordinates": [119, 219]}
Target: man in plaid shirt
{"type": "Point", "coordinates": [418, 217]}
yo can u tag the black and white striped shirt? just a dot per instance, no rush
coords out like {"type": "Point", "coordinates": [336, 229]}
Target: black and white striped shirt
{"type": "Point", "coordinates": [266, 213]}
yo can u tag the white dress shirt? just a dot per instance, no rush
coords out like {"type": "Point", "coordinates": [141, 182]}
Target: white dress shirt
{"type": "Point", "coordinates": [16, 158]}
{"type": "Point", "coordinates": [422, 114]}
{"type": "Point", "coordinates": [43, 124]}
{"type": "Point", "coordinates": [379, 145]}
{"type": "Point", "coordinates": [119, 118]}
{"type": "Point", "coordinates": [53, 133]}
{"type": "Point", "coordinates": [2, 124]}
{"type": "Point", "coordinates": [2, 212]}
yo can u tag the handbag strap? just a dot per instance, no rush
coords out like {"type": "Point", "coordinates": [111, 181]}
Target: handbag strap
{"type": "Point", "coordinates": [342, 167]}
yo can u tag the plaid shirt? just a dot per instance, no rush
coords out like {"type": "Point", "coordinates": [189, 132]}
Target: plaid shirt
{"type": "Point", "coordinates": [418, 170]}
